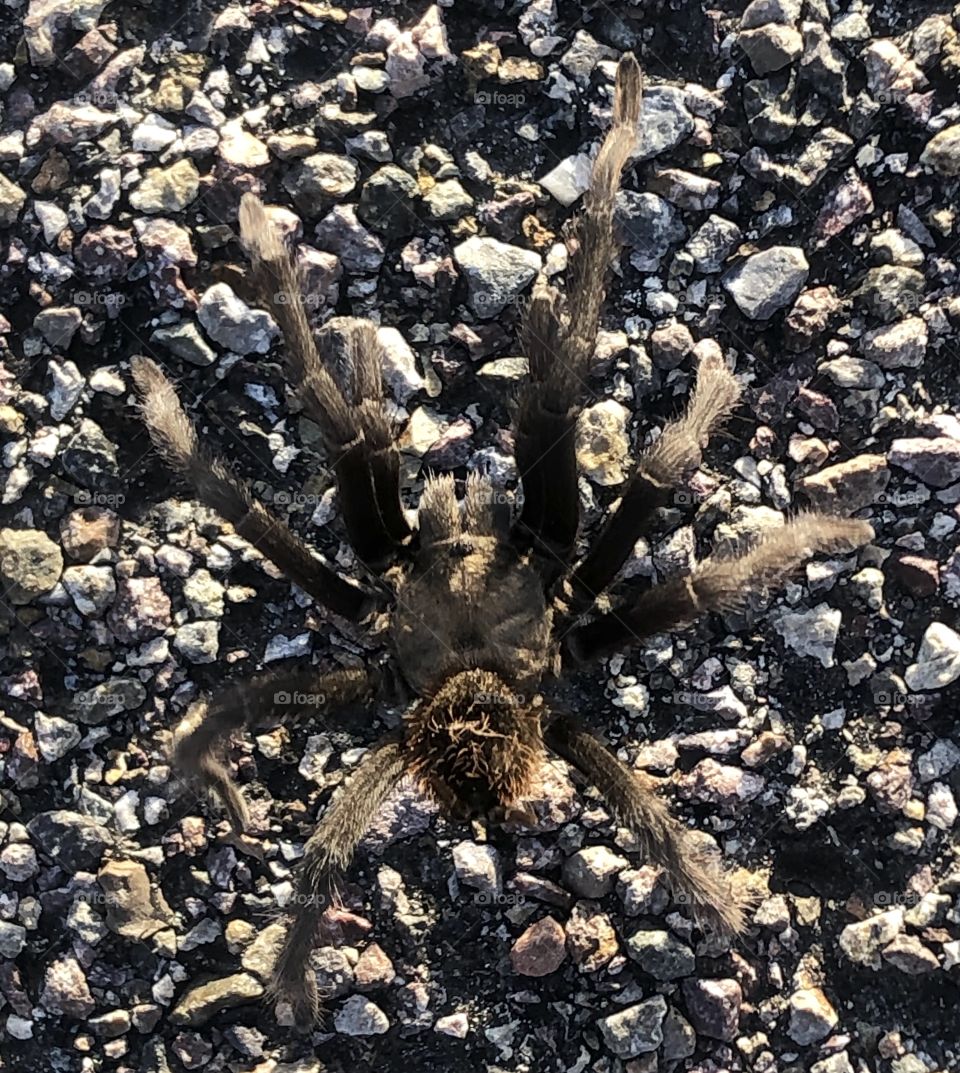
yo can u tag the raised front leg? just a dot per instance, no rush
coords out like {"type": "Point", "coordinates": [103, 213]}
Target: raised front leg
{"type": "Point", "coordinates": [559, 336]}
{"type": "Point", "coordinates": [342, 393]}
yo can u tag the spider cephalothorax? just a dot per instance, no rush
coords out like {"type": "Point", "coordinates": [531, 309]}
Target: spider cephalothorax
{"type": "Point", "coordinates": [476, 744]}
{"type": "Point", "coordinates": [487, 600]}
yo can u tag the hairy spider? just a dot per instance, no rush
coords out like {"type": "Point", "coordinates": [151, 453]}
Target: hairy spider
{"type": "Point", "coordinates": [486, 604]}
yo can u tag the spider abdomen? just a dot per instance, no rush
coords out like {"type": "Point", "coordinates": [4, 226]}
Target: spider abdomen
{"type": "Point", "coordinates": [475, 744]}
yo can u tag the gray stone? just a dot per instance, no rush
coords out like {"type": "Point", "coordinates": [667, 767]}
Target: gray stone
{"type": "Point", "coordinates": [107, 699]}
{"type": "Point", "coordinates": [400, 370]}
{"type": "Point", "coordinates": [55, 736]}
{"type": "Point", "coordinates": [665, 123]}
{"type": "Point", "coordinates": [711, 244]}
{"type": "Point", "coordinates": [58, 325]}
{"type": "Point", "coordinates": [713, 1006]}
{"type": "Point", "coordinates": [65, 123]}
{"type": "Point", "coordinates": [891, 291]}
{"type": "Point", "coordinates": [721, 784]}
{"type": "Point", "coordinates": [583, 55]}
{"type": "Point", "coordinates": [201, 1002]}
{"type": "Point", "coordinates": [18, 862]}
{"type": "Point", "coordinates": [496, 273]}
{"type": "Point", "coordinates": [90, 458]}
{"type": "Point", "coordinates": [938, 661]}
{"type": "Point", "coordinates": [68, 384]}
{"type": "Point", "coordinates": [812, 1018]}
{"type": "Point", "coordinates": [317, 180]}
{"type": "Point", "coordinates": [387, 202]}
{"type": "Point", "coordinates": [478, 866]}
{"type": "Point", "coordinates": [570, 179]}
{"type": "Point", "coordinates": [448, 201]}
{"type": "Point", "coordinates": [772, 47]}
{"type": "Point", "coordinates": [230, 322]}
{"type": "Point", "coordinates": [358, 1016]}
{"type": "Point", "coordinates": [935, 462]}
{"type": "Point", "coordinates": [169, 189]}
{"type": "Point", "coordinates": [635, 1030]}
{"type": "Point", "coordinates": [13, 938]}
{"type": "Point", "coordinates": [770, 105]}
{"type": "Point", "coordinates": [92, 588]}
{"type": "Point", "coordinates": [852, 372]}
{"type": "Point", "coordinates": [648, 225]}
{"type": "Point", "coordinates": [30, 564]}
{"type": "Point", "coordinates": [198, 641]}
{"type": "Point", "coordinates": [679, 1038]}
{"type": "Point", "coordinates": [65, 989]}
{"type": "Point", "coordinates": [942, 152]}
{"type": "Point", "coordinates": [824, 65]}
{"type": "Point", "coordinates": [185, 341]}
{"type": "Point", "coordinates": [767, 281]}
{"type": "Point", "coordinates": [897, 346]}
{"type": "Point", "coordinates": [591, 872]}
{"type": "Point", "coordinates": [760, 12]}
{"type": "Point", "coordinates": [812, 632]}
{"type": "Point", "coordinates": [341, 233]}
{"type": "Point", "coordinates": [910, 956]}
{"type": "Point", "coordinates": [863, 941]}
{"type": "Point", "coordinates": [662, 955]}
{"type": "Point", "coordinates": [75, 841]}
{"type": "Point", "coordinates": [46, 20]}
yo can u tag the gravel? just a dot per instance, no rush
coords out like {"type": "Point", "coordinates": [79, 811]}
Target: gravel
{"type": "Point", "coordinates": [790, 207]}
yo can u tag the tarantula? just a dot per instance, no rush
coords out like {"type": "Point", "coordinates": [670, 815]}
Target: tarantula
{"type": "Point", "coordinates": [486, 603]}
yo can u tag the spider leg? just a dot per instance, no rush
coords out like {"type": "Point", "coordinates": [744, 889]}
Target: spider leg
{"type": "Point", "coordinates": [559, 336]}
{"type": "Point", "coordinates": [719, 583]}
{"type": "Point", "coordinates": [349, 407]}
{"type": "Point", "coordinates": [675, 455]}
{"type": "Point", "coordinates": [327, 854]}
{"type": "Point", "coordinates": [210, 722]}
{"type": "Point", "coordinates": [716, 899]}
{"type": "Point", "coordinates": [176, 439]}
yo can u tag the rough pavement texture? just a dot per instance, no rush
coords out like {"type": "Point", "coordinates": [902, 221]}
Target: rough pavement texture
{"type": "Point", "coordinates": [793, 203]}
